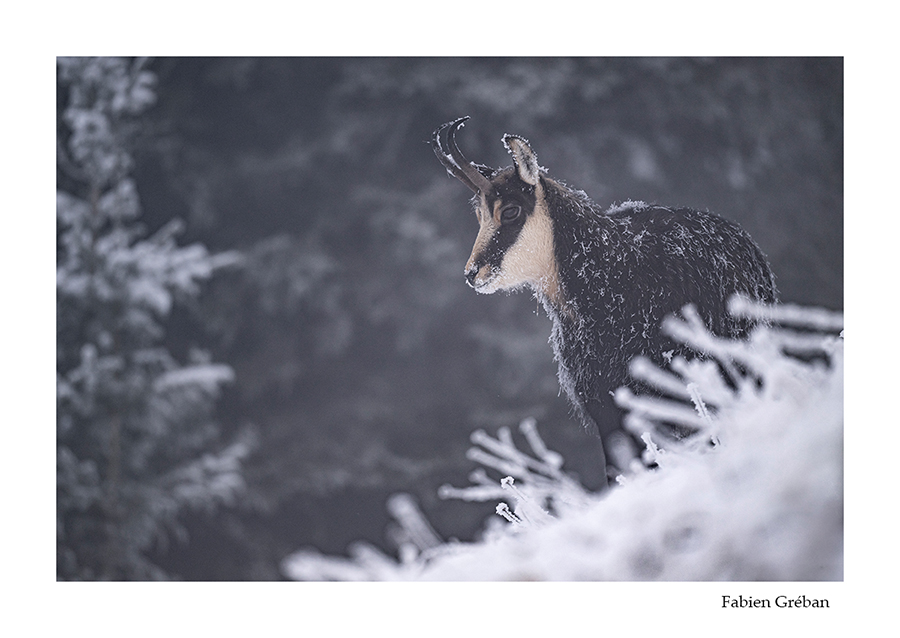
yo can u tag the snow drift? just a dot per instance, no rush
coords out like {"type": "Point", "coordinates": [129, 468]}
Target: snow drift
{"type": "Point", "coordinates": [756, 494]}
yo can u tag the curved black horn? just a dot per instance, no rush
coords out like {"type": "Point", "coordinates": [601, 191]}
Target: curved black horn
{"type": "Point", "coordinates": [454, 161]}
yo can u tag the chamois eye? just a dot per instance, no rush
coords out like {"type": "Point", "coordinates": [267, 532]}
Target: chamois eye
{"type": "Point", "coordinates": [510, 213]}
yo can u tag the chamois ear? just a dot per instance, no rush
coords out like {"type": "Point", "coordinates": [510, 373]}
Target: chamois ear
{"type": "Point", "coordinates": [523, 157]}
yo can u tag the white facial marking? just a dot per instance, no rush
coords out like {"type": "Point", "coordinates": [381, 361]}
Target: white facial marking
{"type": "Point", "coordinates": [530, 261]}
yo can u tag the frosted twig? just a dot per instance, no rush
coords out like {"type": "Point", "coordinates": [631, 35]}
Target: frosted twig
{"type": "Point", "coordinates": [693, 333]}
{"type": "Point", "coordinates": [527, 508]}
{"type": "Point", "coordinates": [505, 449]}
{"type": "Point", "coordinates": [372, 559]}
{"type": "Point", "coordinates": [504, 511]}
{"type": "Point", "coordinates": [694, 390]}
{"type": "Point", "coordinates": [505, 437]}
{"type": "Point", "coordinates": [504, 466]}
{"type": "Point", "coordinates": [801, 343]}
{"type": "Point", "coordinates": [786, 314]}
{"type": "Point", "coordinates": [416, 528]}
{"type": "Point", "coordinates": [309, 564]}
{"type": "Point", "coordinates": [706, 375]}
{"type": "Point", "coordinates": [653, 451]}
{"type": "Point", "coordinates": [643, 369]}
{"type": "Point", "coordinates": [658, 409]}
{"type": "Point", "coordinates": [747, 363]}
{"type": "Point", "coordinates": [542, 479]}
{"type": "Point", "coordinates": [478, 493]}
{"type": "Point", "coordinates": [528, 427]}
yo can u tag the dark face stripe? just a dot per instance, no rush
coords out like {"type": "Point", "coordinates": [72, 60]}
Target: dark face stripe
{"type": "Point", "coordinates": [508, 189]}
{"type": "Point", "coordinates": [500, 242]}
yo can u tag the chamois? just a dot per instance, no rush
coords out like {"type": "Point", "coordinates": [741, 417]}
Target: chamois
{"type": "Point", "coordinates": [605, 278]}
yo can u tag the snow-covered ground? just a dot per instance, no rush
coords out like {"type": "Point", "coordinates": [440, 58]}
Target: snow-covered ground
{"type": "Point", "coordinates": [756, 496]}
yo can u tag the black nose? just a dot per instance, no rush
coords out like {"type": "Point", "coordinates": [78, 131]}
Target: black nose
{"type": "Point", "coordinates": [470, 275]}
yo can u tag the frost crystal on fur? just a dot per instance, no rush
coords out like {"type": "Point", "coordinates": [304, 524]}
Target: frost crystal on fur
{"type": "Point", "coordinates": [605, 278]}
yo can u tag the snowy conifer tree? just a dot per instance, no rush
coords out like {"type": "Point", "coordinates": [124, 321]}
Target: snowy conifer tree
{"type": "Point", "coordinates": [135, 438]}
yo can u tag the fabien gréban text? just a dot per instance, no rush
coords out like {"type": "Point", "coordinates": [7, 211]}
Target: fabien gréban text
{"type": "Point", "coordinates": [783, 602]}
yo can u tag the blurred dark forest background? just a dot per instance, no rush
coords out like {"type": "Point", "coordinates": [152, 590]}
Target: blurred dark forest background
{"type": "Point", "coordinates": [263, 326]}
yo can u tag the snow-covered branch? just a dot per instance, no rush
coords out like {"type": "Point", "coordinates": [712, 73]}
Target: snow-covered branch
{"type": "Point", "coordinates": [755, 494]}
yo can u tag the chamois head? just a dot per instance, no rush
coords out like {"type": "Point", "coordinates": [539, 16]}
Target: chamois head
{"type": "Point", "coordinates": [514, 246]}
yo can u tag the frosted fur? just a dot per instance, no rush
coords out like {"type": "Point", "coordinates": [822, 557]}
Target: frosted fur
{"type": "Point", "coordinates": [621, 273]}
{"type": "Point", "coordinates": [606, 279]}
{"type": "Point", "coordinates": [524, 158]}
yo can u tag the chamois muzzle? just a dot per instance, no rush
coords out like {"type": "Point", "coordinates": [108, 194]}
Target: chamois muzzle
{"type": "Point", "coordinates": [454, 161]}
{"type": "Point", "coordinates": [471, 273]}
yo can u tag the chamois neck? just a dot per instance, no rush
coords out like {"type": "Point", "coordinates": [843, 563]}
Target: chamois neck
{"type": "Point", "coordinates": [577, 223]}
